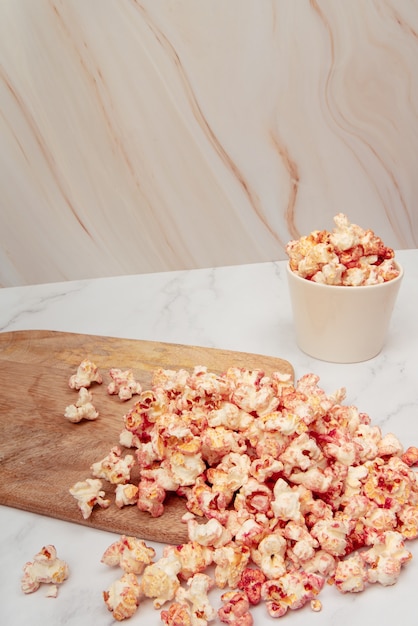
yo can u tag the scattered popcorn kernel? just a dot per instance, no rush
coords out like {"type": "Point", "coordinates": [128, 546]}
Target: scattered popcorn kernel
{"type": "Point", "coordinates": [47, 568]}
{"type": "Point", "coordinates": [123, 597]}
{"type": "Point", "coordinates": [114, 468]}
{"type": "Point", "coordinates": [123, 384]}
{"type": "Point", "coordinates": [130, 554]}
{"type": "Point", "coordinates": [88, 493]}
{"type": "Point", "coordinates": [83, 408]}
{"type": "Point", "coordinates": [87, 373]}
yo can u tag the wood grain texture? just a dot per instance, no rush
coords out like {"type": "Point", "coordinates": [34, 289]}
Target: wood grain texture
{"type": "Point", "coordinates": [42, 454]}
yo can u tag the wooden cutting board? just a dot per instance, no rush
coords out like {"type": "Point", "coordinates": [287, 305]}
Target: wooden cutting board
{"type": "Point", "coordinates": [42, 454]}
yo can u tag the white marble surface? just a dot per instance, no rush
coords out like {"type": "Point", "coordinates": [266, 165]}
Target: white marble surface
{"type": "Point", "coordinates": [241, 308]}
{"type": "Point", "coordinates": [150, 135]}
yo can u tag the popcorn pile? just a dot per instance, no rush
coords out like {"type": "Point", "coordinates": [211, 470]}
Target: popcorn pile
{"type": "Point", "coordinates": [285, 486]}
{"type": "Point", "coordinates": [348, 256]}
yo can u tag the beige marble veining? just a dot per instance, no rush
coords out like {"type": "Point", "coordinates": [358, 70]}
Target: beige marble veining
{"type": "Point", "coordinates": [143, 136]}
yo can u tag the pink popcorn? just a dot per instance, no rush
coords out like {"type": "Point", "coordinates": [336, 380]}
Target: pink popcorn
{"type": "Point", "coordinates": [230, 474]}
{"type": "Point", "coordinates": [302, 453]}
{"type": "Point", "coordinates": [193, 556]}
{"type": "Point", "coordinates": [254, 496]}
{"type": "Point", "coordinates": [83, 408]}
{"type": "Point", "coordinates": [251, 582]}
{"type": "Point", "coordinates": [151, 497]}
{"type": "Point", "coordinates": [269, 555]}
{"type": "Point", "coordinates": [389, 445]}
{"type": "Point", "coordinates": [46, 568]}
{"type": "Point", "coordinates": [349, 255]}
{"type": "Point", "coordinates": [177, 614]}
{"type": "Point", "coordinates": [265, 467]}
{"type": "Point", "coordinates": [351, 575]}
{"type": "Point", "coordinates": [160, 580]}
{"type": "Point", "coordinates": [123, 384]}
{"type": "Point", "coordinates": [332, 535]}
{"type": "Point", "coordinates": [211, 533]}
{"type": "Point", "coordinates": [123, 597]}
{"type": "Point", "coordinates": [386, 558]}
{"type": "Point", "coordinates": [291, 591]}
{"type": "Point", "coordinates": [302, 545]}
{"type": "Point", "coordinates": [196, 594]}
{"type": "Point", "coordinates": [126, 495]}
{"type": "Point", "coordinates": [249, 532]}
{"type": "Point", "coordinates": [87, 373]}
{"type": "Point", "coordinates": [231, 416]}
{"type": "Point", "coordinates": [130, 554]}
{"type": "Point", "coordinates": [219, 441]}
{"type": "Point", "coordinates": [389, 484]}
{"type": "Point", "coordinates": [410, 457]}
{"type": "Point", "coordinates": [208, 383]}
{"type": "Point", "coordinates": [408, 521]}
{"type": "Point", "coordinates": [88, 493]}
{"type": "Point", "coordinates": [286, 503]}
{"type": "Point", "coordinates": [322, 563]}
{"type": "Point", "coordinates": [235, 610]}
{"type": "Point", "coordinates": [231, 560]}
{"type": "Point", "coordinates": [114, 468]}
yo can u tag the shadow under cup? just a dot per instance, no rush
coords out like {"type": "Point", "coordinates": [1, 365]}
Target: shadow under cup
{"type": "Point", "coordinates": [342, 324]}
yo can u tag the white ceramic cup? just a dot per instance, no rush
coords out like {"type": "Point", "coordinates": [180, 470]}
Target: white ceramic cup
{"type": "Point", "coordinates": [341, 324]}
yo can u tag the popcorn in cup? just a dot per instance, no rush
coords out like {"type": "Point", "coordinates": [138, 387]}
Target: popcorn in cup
{"type": "Point", "coordinates": [343, 287]}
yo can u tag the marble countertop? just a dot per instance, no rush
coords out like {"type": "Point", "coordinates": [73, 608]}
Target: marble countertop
{"type": "Point", "coordinates": [244, 308]}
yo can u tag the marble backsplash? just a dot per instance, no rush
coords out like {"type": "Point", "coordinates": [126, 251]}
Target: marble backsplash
{"type": "Point", "coordinates": [152, 135]}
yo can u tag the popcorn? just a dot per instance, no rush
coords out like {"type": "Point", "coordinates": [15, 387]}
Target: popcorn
{"type": "Point", "coordinates": [196, 594]}
{"type": "Point", "coordinates": [46, 568]}
{"type": "Point", "coordinates": [386, 558]}
{"type": "Point", "coordinates": [193, 556]}
{"type": "Point", "coordinates": [123, 597]}
{"type": "Point", "coordinates": [123, 384]}
{"type": "Point", "coordinates": [251, 582]}
{"type": "Point", "coordinates": [88, 493]}
{"type": "Point", "coordinates": [331, 535]}
{"type": "Point", "coordinates": [291, 591]}
{"type": "Point", "coordinates": [292, 488]}
{"type": "Point", "coordinates": [348, 256]}
{"type": "Point", "coordinates": [269, 555]}
{"type": "Point", "coordinates": [129, 553]}
{"type": "Point", "coordinates": [160, 580]}
{"type": "Point", "coordinates": [231, 560]}
{"type": "Point", "coordinates": [83, 408]}
{"type": "Point", "coordinates": [87, 373]}
{"type": "Point", "coordinates": [114, 468]}
{"type": "Point", "coordinates": [351, 575]}
{"type": "Point", "coordinates": [235, 610]}
{"type": "Point", "coordinates": [126, 495]}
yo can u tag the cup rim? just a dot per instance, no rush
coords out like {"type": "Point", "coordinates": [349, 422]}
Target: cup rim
{"type": "Point", "coordinates": [351, 287]}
